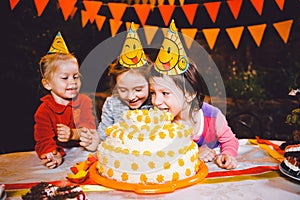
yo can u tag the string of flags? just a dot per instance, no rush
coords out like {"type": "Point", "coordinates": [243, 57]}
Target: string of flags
{"type": "Point", "coordinates": [91, 9]}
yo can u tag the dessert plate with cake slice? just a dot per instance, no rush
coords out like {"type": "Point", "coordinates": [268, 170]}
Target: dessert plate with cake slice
{"type": "Point", "coordinates": [290, 166]}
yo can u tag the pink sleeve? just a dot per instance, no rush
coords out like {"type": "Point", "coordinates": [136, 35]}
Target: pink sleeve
{"type": "Point", "coordinates": [228, 142]}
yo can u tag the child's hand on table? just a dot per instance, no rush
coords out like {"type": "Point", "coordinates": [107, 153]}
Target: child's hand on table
{"type": "Point", "coordinates": [89, 139]}
{"type": "Point", "coordinates": [52, 159]}
{"type": "Point", "coordinates": [226, 161]}
{"type": "Point", "coordinates": [206, 154]}
{"type": "Point", "coordinates": [64, 133]}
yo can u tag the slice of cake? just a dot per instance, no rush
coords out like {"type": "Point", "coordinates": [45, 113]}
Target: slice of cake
{"type": "Point", "coordinates": [291, 163]}
{"type": "Point", "coordinates": [148, 148]}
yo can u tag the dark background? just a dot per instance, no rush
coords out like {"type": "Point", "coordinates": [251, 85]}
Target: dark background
{"type": "Point", "coordinates": [25, 38]}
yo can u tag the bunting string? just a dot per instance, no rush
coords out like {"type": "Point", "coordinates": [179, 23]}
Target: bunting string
{"type": "Point", "coordinates": [90, 10]}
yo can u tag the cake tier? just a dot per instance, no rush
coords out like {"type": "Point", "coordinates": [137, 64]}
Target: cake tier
{"type": "Point", "coordinates": [156, 167]}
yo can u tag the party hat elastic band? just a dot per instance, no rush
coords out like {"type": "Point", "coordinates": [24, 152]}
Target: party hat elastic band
{"type": "Point", "coordinates": [58, 45]}
{"type": "Point", "coordinates": [132, 55]}
{"type": "Point", "coordinates": [171, 59]}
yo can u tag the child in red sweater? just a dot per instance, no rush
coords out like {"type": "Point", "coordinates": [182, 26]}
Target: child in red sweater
{"type": "Point", "coordinates": [65, 117]}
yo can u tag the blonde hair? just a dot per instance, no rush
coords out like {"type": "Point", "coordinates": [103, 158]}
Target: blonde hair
{"type": "Point", "coordinates": [49, 63]}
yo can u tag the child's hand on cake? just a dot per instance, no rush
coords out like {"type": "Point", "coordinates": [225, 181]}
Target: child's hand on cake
{"type": "Point", "coordinates": [52, 159]}
{"type": "Point", "coordinates": [64, 133]}
{"type": "Point", "coordinates": [89, 139]}
{"type": "Point", "coordinates": [206, 154]}
{"type": "Point", "coordinates": [226, 161]}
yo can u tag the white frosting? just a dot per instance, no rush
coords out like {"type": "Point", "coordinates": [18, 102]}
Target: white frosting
{"type": "Point", "coordinates": [148, 148]}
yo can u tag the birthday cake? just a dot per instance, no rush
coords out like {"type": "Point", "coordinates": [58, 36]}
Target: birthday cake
{"type": "Point", "coordinates": [147, 148]}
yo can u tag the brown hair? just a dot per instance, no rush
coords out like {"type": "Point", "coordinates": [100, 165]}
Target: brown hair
{"type": "Point", "coordinates": [190, 81]}
{"type": "Point", "coordinates": [49, 63]}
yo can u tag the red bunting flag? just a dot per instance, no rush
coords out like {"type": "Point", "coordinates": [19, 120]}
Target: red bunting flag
{"type": "Point", "coordinates": [280, 4]}
{"type": "Point", "coordinates": [142, 11]}
{"type": "Point", "coordinates": [190, 12]}
{"type": "Point", "coordinates": [67, 7]}
{"type": "Point", "coordinates": [13, 3]}
{"type": "Point", "coordinates": [40, 6]}
{"type": "Point", "coordinates": [100, 21]}
{"type": "Point", "coordinates": [114, 26]}
{"type": "Point", "coordinates": [166, 12]}
{"type": "Point", "coordinates": [258, 5]}
{"type": "Point", "coordinates": [235, 7]}
{"type": "Point", "coordinates": [212, 9]}
{"type": "Point", "coordinates": [84, 18]}
{"type": "Point", "coordinates": [92, 8]}
{"type": "Point", "coordinates": [117, 10]}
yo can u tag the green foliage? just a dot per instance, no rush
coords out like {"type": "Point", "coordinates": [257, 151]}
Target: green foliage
{"type": "Point", "coordinates": [293, 118]}
{"type": "Point", "coordinates": [245, 84]}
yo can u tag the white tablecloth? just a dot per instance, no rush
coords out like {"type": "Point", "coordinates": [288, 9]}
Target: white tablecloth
{"type": "Point", "coordinates": [25, 167]}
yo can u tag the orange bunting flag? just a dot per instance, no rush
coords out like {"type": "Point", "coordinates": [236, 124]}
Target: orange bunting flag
{"type": "Point", "coordinates": [117, 10]}
{"type": "Point", "coordinates": [150, 32]}
{"type": "Point", "coordinates": [190, 12]}
{"type": "Point", "coordinates": [100, 21]}
{"type": "Point", "coordinates": [142, 11]}
{"type": "Point", "coordinates": [92, 8]}
{"type": "Point", "coordinates": [114, 26]}
{"type": "Point", "coordinates": [171, 2]}
{"type": "Point", "coordinates": [164, 31]}
{"type": "Point", "coordinates": [211, 36]}
{"type": "Point", "coordinates": [235, 7]}
{"type": "Point", "coordinates": [189, 36]}
{"type": "Point", "coordinates": [129, 24]}
{"type": "Point", "coordinates": [13, 3]}
{"type": "Point", "coordinates": [258, 5]}
{"type": "Point", "coordinates": [181, 2]}
{"type": "Point", "coordinates": [84, 18]}
{"type": "Point", "coordinates": [67, 7]}
{"type": "Point", "coordinates": [280, 4]}
{"type": "Point", "coordinates": [166, 12]}
{"type": "Point", "coordinates": [235, 35]}
{"type": "Point", "coordinates": [40, 6]}
{"type": "Point", "coordinates": [152, 3]}
{"type": "Point", "coordinates": [160, 2]}
{"type": "Point", "coordinates": [212, 9]}
{"type": "Point", "coordinates": [257, 32]}
{"type": "Point", "coordinates": [283, 29]}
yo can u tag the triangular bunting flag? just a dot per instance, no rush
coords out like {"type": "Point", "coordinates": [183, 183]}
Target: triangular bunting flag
{"type": "Point", "coordinates": [211, 35]}
{"type": "Point", "coordinates": [160, 2]}
{"type": "Point", "coordinates": [171, 2]}
{"type": "Point", "coordinates": [190, 12]}
{"type": "Point", "coordinates": [67, 7]}
{"type": "Point", "coordinates": [235, 7]}
{"type": "Point", "coordinates": [114, 26]}
{"type": "Point", "coordinates": [129, 24]}
{"type": "Point", "coordinates": [166, 12]}
{"type": "Point", "coordinates": [13, 3]}
{"type": "Point", "coordinates": [258, 5]}
{"type": "Point", "coordinates": [152, 3]}
{"type": "Point", "coordinates": [150, 32]}
{"type": "Point", "coordinates": [189, 36]}
{"type": "Point", "coordinates": [117, 10]}
{"type": "Point", "coordinates": [92, 8]}
{"type": "Point", "coordinates": [212, 9]}
{"type": "Point", "coordinates": [143, 1]}
{"type": "Point", "coordinates": [84, 18]}
{"type": "Point", "coordinates": [280, 4]}
{"type": "Point", "coordinates": [181, 2]}
{"type": "Point", "coordinates": [100, 21]}
{"type": "Point", "coordinates": [235, 34]}
{"type": "Point", "coordinates": [40, 6]}
{"type": "Point", "coordinates": [142, 11]}
{"type": "Point", "coordinates": [283, 29]}
{"type": "Point", "coordinates": [257, 32]}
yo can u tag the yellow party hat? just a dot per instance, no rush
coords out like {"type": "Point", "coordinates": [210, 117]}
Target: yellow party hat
{"type": "Point", "coordinates": [132, 55]}
{"type": "Point", "coordinates": [58, 45]}
{"type": "Point", "coordinates": [171, 58]}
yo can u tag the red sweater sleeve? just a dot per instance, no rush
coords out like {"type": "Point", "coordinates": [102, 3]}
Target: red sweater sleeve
{"type": "Point", "coordinates": [43, 132]}
{"type": "Point", "coordinates": [83, 113]}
